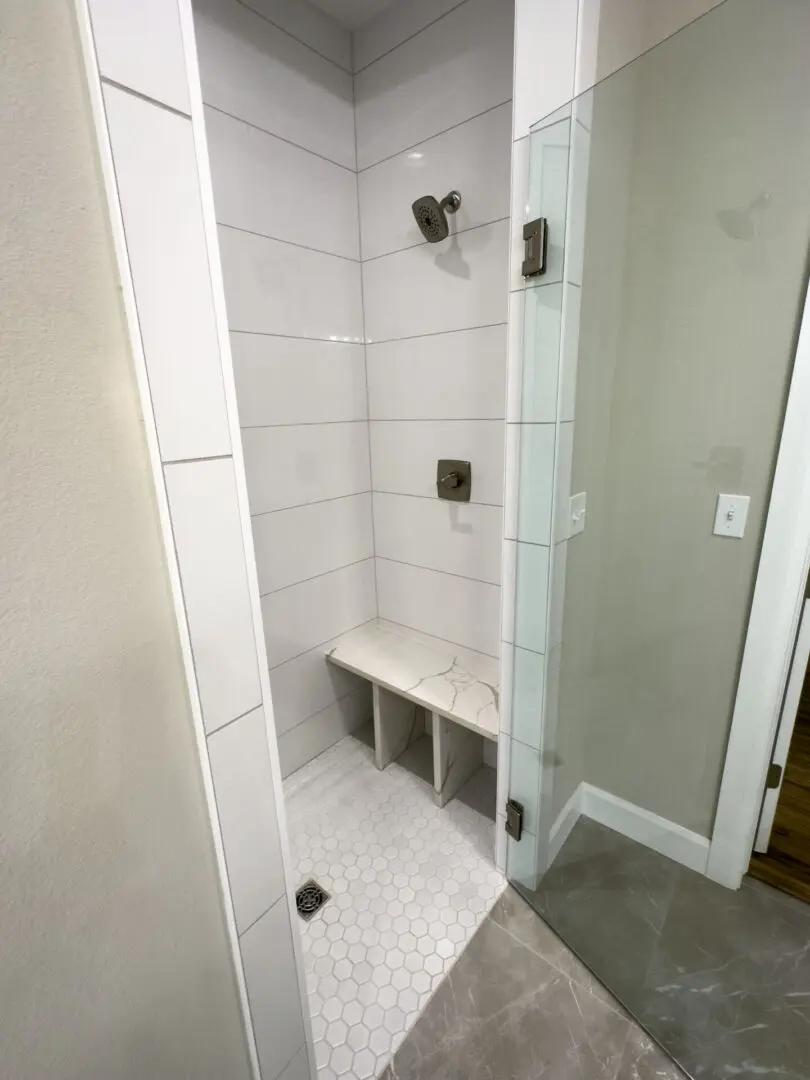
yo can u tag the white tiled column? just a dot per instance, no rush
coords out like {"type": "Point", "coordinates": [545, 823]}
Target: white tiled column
{"type": "Point", "coordinates": [538, 443]}
{"type": "Point", "coordinates": [144, 85]}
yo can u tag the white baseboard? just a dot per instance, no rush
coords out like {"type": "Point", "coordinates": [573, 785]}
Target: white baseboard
{"type": "Point", "coordinates": [566, 820]}
{"type": "Point", "coordinates": [664, 836]}
{"type": "Point", "coordinates": [677, 843]}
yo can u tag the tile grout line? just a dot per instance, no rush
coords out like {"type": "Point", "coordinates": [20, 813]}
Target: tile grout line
{"type": "Point", "coordinates": [424, 243]}
{"type": "Point", "coordinates": [300, 41]}
{"type": "Point", "coordinates": [274, 135]}
{"type": "Point", "coordinates": [348, 694]}
{"type": "Point", "coordinates": [314, 577]}
{"type": "Point", "coordinates": [320, 644]}
{"type": "Point", "coordinates": [314, 502]}
{"type": "Point", "coordinates": [365, 349]}
{"type": "Point", "coordinates": [360, 341]}
{"type": "Point", "coordinates": [289, 243]}
{"type": "Point", "coordinates": [241, 716]}
{"type": "Point", "coordinates": [433, 570]}
{"type": "Point", "coordinates": [410, 37]}
{"type": "Point", "coordinates": [444, 131]}
{"type": "Point", "coordinates": [107, 81]}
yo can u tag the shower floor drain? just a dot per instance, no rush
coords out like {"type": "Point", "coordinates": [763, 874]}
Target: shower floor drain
{"type": "Point", "coordinates": [309, 899]}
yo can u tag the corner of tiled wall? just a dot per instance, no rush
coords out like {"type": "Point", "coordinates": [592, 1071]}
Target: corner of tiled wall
{"type": "Point", "coordinates": [144, 85]}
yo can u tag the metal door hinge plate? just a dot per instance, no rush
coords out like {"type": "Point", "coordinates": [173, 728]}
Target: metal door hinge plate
{"type": "Point", "coordinates": [774, 776]}
{"type": "Point", "coordinates": [535, 237]}
{"type": "Point", "coordinates": [514, 819]}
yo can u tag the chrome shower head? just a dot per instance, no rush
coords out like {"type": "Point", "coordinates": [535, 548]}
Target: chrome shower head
{"type": "Point", "coordinates": [431, 215]}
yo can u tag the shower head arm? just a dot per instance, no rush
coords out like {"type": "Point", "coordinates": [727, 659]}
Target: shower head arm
{"type": "Point", "coordinates": [451, 202]}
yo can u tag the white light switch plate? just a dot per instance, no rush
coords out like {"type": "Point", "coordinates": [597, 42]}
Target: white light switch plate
{"type": "Point", "coordinates": [578, 511]}
{"type": "Point", "coordinates": [731, 515]}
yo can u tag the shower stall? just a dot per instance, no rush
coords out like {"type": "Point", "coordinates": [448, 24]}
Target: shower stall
{"type": "Point", "coordinates": [464, 496]}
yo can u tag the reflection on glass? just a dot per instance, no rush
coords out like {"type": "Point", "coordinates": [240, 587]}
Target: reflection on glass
{"type": "Point", "coordinates": [657, 355]}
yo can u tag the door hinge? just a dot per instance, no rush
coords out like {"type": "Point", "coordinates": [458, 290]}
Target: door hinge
{"type": "Point", "coordinates": [535, 238]}
{"type": "Point", "coordinates": [514, 819]}
{"type": "Point", "coordinates": [774, 776]}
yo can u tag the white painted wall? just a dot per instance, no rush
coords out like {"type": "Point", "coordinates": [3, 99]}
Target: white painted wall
{"type": "Point", "coordinates": [161, 210]}
{"type": "Point", "coordinates": [433, 110]}
{"type": "Point", "coordinates": [113, 943]}
{"type": "Point", "coordinates": [279, 117]}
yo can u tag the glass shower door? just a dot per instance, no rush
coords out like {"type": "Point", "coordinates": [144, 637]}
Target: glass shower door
{"type": "Point", "coordinates": [657, 352]}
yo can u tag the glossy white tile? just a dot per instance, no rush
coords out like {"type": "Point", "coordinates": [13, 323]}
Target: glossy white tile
{"type": "Point", "coordinates": [577, 202]}
{"type": "Point", "coordinates": [300, 617]}
{"type": "Point", "coordinates": [272, 985]}
{"type": "Point", "coordinates": [316, 734]}
{"type": "Point", "coordinates": [550, 31]}
{"type": "Point", "coordinates": [556, 605]}
{"type": "Point", "coordinates": [514, 384]}
{"type": "Point", "coordinates": [281, 380]}
{"type": "Point", "coordinates": [307, 684]}
{"type": "Point", "coordinates": [563, 462]}
{"type": "Point", "coordinates": [474, 155]}
{"type": "Point", "coordinates": [405, 454]}
{"type": "Point", "coordinates": [156, 171]}
{"type": "Point", "coordinates": [258, 179]}
{"type": "Point", "coordinates": [304, 541]}
{"type": "Point", "coordinates": [425, 291]}
{"type": "Point", "coordinates": [569, 350]}
{"type": "Point", "coordinates": [528, 681]}
{"type": "Point", "coordinates": [277, 288]}
{"type": "Point", "coordinates": [456, 609]}
{"type": "Point", "coordinates": [537, 444]}
{"type": "Point", "coordinates": [511, 488]}
{"type": "Point", "coordinates": [460, 375]}
{"type": "Point", "coordinates": [505, 700]}
{"type": "Point", "coordinates": [210, 551]}
{"type": "Point", "coordinates": [291, 466]}
{"type": "Point", "coordinates": [243, 785]}
{"type": "Point", "coordinates": [311, 25]}
{"type": "Point", "coordinates": [464, 61]}
{"type": "Point", "coordinates": [540, 366]}
{"type": "Point", "coordinates": [549, 159]}
{"type": "Point", "coordinates": [509, 579]}
{"type": "Point", "coordinates": [394, 25]}
{"type": "Point", "coordinates": [519, 210]}
{"type": "Point", "coordinates": [458, 538]}
{"type": "Point", "coordinates": [251, 69]}
{"type": "Point", "coordinates": [524, 783]}
{"type": "Point", "coordinates": [531, 596]}
{"type": "Point", "coordinates": [141, 46]}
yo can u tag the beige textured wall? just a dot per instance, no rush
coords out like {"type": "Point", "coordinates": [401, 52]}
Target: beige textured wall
{"type": "Point", "coordinates": [113, 953]}
{"type": "Point", "coordinates": [652, 645]}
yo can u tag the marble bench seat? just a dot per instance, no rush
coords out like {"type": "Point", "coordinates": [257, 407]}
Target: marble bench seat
{"type": "Point", "coordinates": [414, 678]}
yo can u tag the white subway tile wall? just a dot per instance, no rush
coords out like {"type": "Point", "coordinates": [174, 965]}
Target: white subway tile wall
{"type": "Point", "coordinates": [279, 117]}
{"type": "Point", "coordinates": [151, 132]}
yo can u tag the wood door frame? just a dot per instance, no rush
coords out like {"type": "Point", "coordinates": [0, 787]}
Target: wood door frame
{"type": "Point", "coordinates": [787, 722]}
{"type": "Point", "coordinates": [772, 628]}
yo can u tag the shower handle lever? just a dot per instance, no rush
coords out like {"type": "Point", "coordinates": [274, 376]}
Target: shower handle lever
{"type": "Point", "coordinates": [451, 479]}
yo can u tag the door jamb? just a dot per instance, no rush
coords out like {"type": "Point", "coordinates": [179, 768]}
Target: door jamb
{"type": "Point", "coordinates": [773, 624]}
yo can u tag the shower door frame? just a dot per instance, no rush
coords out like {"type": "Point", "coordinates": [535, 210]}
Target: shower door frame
{"type": "Point", "coordinates": [771, 633]}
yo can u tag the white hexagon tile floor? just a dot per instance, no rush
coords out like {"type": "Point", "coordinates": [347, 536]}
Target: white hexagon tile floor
{"type": "Point", "coordinates": [410, 884]}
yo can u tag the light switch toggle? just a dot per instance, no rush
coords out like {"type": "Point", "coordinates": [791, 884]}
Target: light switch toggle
{"type": "Point", "coordinates": [731, 515]}
{"type": "Point", "coordinates": [578, 509]}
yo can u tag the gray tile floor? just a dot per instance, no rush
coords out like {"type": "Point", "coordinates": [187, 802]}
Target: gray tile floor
{"type": "Point", "coordinates": [518, 1005]}
{"type": "Point", "coordinates": [720, 978]}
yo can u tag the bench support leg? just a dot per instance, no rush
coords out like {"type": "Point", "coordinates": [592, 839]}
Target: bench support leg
{"type": "Point", "coordinates": [457, 754]}
{"type": "Point", "coordinates": [397, 723]}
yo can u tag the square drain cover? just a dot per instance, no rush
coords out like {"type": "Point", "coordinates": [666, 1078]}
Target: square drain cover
{"type": "Point", "coordinates": [309, 899]}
